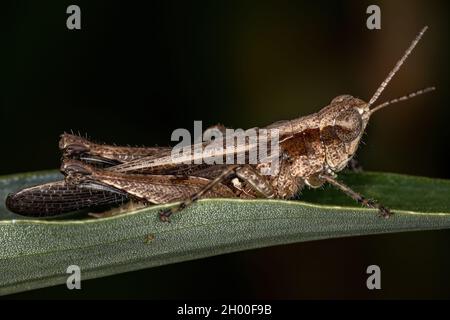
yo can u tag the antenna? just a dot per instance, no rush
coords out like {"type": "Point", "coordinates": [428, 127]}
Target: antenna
{"type": "Point", "coordinates": [396, 68]}
{"type": "Point", "coordinates": [406, 97]}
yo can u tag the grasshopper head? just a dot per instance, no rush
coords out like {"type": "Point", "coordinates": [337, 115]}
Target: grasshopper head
{"type": "Point", "coordinates": [342, 126]}
{"type": "Point", "coordinates": [343, 122]}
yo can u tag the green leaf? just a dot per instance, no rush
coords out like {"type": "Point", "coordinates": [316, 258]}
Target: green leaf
{"type": "Point", "coordinates": [36, 253]}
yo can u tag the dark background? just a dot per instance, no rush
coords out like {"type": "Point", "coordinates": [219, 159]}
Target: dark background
{"type": "Point", "coordinates": [138, 70]}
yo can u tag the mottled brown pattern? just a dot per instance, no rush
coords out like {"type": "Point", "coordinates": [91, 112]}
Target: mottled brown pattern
{"type": "Point", "coordinates": [334, 148]}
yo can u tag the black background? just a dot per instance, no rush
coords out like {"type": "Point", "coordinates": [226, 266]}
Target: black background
{"type": "Point", "coordinates": [138, 70]}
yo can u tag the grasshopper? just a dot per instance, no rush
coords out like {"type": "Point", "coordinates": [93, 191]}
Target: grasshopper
{"type": "Point", "coordinates": [313, 149]}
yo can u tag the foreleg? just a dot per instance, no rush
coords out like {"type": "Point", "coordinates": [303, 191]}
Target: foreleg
{"type": "Point", "coordinates": [384, 212]}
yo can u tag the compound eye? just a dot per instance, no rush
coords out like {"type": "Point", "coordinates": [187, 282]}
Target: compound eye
{"type": "Point", "coordinates": [348, 125]}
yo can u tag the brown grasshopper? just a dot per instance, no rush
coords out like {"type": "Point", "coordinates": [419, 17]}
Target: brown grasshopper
{"type": "Point", "coordinates": [312, 150]}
